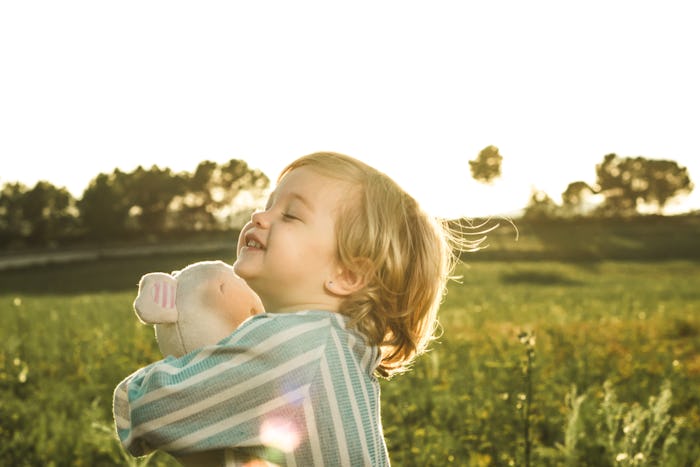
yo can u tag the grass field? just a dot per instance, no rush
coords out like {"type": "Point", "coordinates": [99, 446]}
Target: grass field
{"type": "Point", "coordinates": [540, 363]}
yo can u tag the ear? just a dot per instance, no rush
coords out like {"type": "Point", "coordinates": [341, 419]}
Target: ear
{"type": "Point", "coordinates": [155, 302]}
{"type": "Point", "coordinates": [346, 281]}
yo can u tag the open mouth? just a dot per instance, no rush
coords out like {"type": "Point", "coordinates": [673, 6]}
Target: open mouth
{"type": "Point", "coordinates": [252, 242]}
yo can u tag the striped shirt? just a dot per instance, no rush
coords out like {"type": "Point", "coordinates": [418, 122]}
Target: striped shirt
{"type": "Point", "coordinates": [293, 388]}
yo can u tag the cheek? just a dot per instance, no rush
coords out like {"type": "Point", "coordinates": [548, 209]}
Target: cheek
{"type": "Point", "coordinates": [320, 251]}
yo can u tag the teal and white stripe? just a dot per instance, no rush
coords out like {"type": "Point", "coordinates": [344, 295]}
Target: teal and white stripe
{"type": "Point", "coordinates": [303, 372]}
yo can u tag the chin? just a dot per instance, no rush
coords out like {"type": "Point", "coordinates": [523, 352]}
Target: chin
{"type": "Point", "coordinates": [240, 271]}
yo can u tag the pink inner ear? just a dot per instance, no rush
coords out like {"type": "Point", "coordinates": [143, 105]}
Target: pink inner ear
{"type": "Point", "coordinates": [164, 294]}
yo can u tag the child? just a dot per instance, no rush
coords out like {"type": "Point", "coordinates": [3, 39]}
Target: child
{"type": "Point", "coordinates": [351, 272]}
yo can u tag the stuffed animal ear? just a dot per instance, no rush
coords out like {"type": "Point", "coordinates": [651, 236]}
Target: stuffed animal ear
{"type": "Point", "coordinates": [155, 302]}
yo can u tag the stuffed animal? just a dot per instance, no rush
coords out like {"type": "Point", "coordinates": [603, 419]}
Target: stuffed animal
{"type": "Point", "coordinates": [191, 308]}
{"type": "Point", "coordinates": [194, 307]}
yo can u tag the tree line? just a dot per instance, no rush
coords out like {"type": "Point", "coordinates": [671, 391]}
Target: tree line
{"type": "Point", "coordinates": [143, 203]}
{"type": "Point", "coordinates": [624, 187]}
{"type": "Point", "coordinates": [152, 203]}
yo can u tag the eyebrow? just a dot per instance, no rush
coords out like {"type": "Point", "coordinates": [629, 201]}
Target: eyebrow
{"type": "Point", "coordinates": [303, 200]}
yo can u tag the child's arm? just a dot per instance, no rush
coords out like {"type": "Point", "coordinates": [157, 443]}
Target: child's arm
{"type": "Point", "coordinates": [219, 396]}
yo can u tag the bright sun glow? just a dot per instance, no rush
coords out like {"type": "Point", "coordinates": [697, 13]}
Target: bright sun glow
{"type": "Point", "coordinates": [280, 433]}
{"type": "Point", "coordinates": [416, 89]}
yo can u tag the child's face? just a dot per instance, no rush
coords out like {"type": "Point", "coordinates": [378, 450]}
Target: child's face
{"type": "Point", "coordinates": [287, 253]}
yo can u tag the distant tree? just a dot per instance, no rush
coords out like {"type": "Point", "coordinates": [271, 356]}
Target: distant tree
{"type": "Point", "coordinates": [487, 165]}
{"type": "Point", "coordinates": [192, 210]}
{"type": "Point", "coordinates": [574, 198]}
{"type": "Point", "coordinates": [236, 179]}
{"type": "Point", "coordinates": [541, 206]}
{"type": "Point", "coordinates": [214, 194]}
{"type": "Point", "coordinates": [666, 181]}
{"type": "Point", "coordinates": [37, 216]}
{"type": "Point", "coordinates": [149, 194]}
{"type": "Point", "coordinates": [13, 224]}
{"type": "Point", "coordinates": [153, 201]}
{"type": "Point", "coordinates": [628, 182]}
{"type": "Point", "coordinates": [50, 212]}
{"type": "Point", "coordinates": [104, 206]}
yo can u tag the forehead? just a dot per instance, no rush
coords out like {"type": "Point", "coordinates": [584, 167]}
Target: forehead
{"type": "Point", "coordinates": [311, 185]}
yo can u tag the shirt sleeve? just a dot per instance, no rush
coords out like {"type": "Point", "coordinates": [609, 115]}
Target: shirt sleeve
{"type": "Point", "coordinates": [220, 396]}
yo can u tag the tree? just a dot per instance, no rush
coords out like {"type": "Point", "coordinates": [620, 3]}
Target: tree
{"type": "Point", "coordinates": [13, 225]}
{"type": "Point", "coordinates": [149, 195]}
{"type": "Point", "coordinates": [193, 207]}
{"type": "Point", "coordinates": [104, 209]}
{"type": "Point", "coordinates": [39, 216]}
{"type": "Point", "coordinates": [575, 196]}
{"type": "Point", "coordinates": [628, 182]}
{"type": "Point", "coordinates": [487, 165]}
{"type": "Point", "coordinates": [236, 179]}
{"type": "Point", "coordinates": [214, 194]}
{"type": "Point", "coordinates": [541, 206]}
{"type": "Point", "coordinates": [49, 211]}
{"type": "Point", "coordinates": [153, 201]}
{"type": "Point", "coordinates": [666, 180]}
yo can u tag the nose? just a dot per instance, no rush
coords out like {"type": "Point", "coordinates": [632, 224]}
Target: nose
{"type": "Point", "coordinates": [259, 219]}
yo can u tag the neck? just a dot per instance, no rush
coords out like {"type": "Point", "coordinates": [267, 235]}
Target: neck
{"type": "Point", "coordinates": [327, 305]}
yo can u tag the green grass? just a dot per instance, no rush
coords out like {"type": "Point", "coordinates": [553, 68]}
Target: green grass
{"type": "Point", "coordinates": [630, 325]}
{"type": "Point", "coordinates": [615, 364]}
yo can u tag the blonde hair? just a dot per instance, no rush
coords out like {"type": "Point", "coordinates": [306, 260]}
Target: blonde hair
{"type": "Point", "coordinates": [403, 254]}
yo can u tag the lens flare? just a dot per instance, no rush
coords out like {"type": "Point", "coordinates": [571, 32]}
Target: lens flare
{"type": "Point", "coordinates": [280, 433]}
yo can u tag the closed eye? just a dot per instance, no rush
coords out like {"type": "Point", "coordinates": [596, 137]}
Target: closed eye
{"type": "Point", "coordinates": [288, 216]}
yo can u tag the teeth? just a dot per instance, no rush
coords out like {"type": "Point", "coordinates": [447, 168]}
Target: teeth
{"type": "Point", "coordinates": [254, 244]}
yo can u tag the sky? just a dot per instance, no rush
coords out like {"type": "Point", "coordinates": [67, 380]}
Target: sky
{"type": "Point", "coordinates": [415, 88]}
